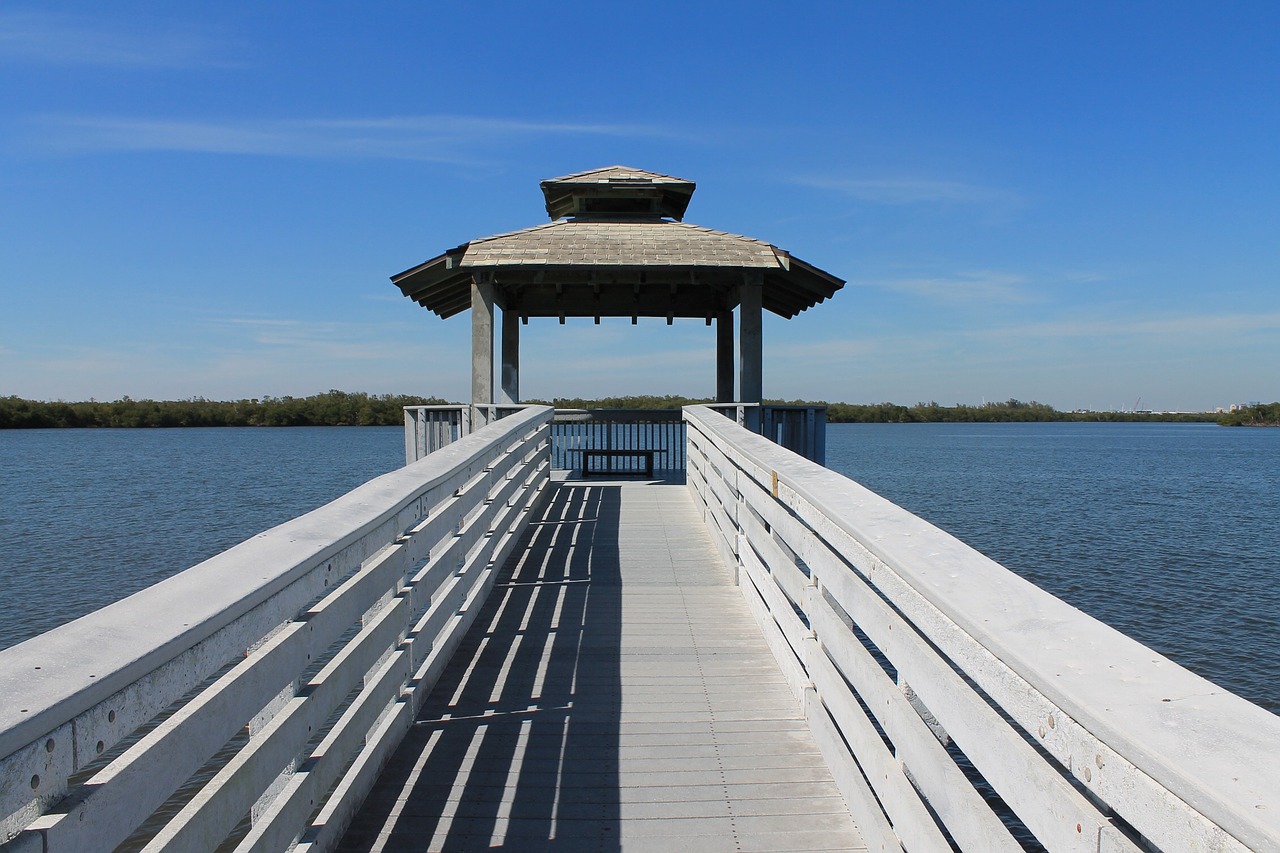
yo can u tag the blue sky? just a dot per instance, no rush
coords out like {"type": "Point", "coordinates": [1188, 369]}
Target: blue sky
{"type": "Point", "coordinates": [1075, 203]}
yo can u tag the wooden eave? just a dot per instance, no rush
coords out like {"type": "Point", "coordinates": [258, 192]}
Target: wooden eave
{"type": "Point", "coordinates": [690, 271]}
{"type": "Point", "coordinates": [603, 291]}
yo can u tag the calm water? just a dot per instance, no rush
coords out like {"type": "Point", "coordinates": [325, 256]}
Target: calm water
{"type": "Point", "coordinates": [90, 516]}
{"type": "Point", "coordinates": [1168, 532]}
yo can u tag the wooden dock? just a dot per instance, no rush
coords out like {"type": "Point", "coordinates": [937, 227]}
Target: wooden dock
{"type": "Point", "coordinates": [613, 694]}
{"type": "Point", "coordinates": [474, 653]}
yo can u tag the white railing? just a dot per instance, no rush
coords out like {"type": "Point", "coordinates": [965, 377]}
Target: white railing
{"type": "Point", "coordinates": [932, 676]}
{"type": "Point", "coordinates": [252, 699]}
{"type": "Point", "coordinates": [801, 428]}
{"type": "Point", "coordinates": [429, 428]}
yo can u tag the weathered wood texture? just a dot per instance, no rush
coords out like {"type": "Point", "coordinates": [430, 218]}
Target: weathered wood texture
{"type": "Point", "coordinates": [255, 695]}
{"type": "Point", "coordinates": [618, 256]}
{"type": "Point", "coordinates": [931, 676]}
{"type": "Point", "coordinates": [614, 694]}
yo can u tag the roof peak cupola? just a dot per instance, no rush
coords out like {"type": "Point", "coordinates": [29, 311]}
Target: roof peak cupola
{"type": "Point", "coordinates": [617, 191]}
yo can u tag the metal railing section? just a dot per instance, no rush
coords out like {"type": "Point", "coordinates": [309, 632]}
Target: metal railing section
{"type": "Point", "coordinates": [800, 429]}
{"type": "Point", "coordinates": [959, 704]}
{"type": "Point", "coordinates": [659, 430]}
{"type": "Point", "coordinates": [429, 428]}
{"type": "Point", "coordinates": [252, 699]}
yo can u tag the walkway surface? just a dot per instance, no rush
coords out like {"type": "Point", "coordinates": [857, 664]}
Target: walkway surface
{"type": "Point", "coordinates": [613, 695]}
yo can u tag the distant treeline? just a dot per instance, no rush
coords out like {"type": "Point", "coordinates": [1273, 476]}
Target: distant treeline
{"type": "Point", "coordinates": [1263, 414]}
{"type": "Point", "coordinates": [341, 408]}
{"type": "Point", "coordinates": [336, 408]}
{"type": "Point", "coordinates": [864, 413]}
{"type": "Point", "coordinates": [1009, 410]}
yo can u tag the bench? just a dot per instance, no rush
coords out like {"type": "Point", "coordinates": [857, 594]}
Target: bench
{"type": "Point", "coordinates": [588, 455]}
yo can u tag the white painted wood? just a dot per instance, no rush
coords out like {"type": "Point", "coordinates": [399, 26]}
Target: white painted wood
{"type": "Point", "coordinates": [1044, 801]}
{"type": "Point", "coordinates": [613, 641]}
{"type": "Point", "coordinates": [871, 818]}
{"type": "Point", "coordinates": [291, 809]}
{"type": "Point", "coordinates": [901, 804]}
{"type": "Point", "coordinates": [363, 558]}
{"type": "Point", "coordinates": [1186, 773]}
{"type": "Point", "coordinates": [754, 588]}
{"type": "Point", "coordinates": [966, 815]}
{"type": "Point", "coordinates": [222, 803]}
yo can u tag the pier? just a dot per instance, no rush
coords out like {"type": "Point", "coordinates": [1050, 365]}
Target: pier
{"type": "Point", "coordinates": [613, 693]}
{"type": "Point", "coordinates": [740, 650]}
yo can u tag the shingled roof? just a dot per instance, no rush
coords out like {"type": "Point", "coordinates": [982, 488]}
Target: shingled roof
{"type": "Point", "coordinates": [596, 189]}
{"type": "Point", "coordinates": [622, 253]}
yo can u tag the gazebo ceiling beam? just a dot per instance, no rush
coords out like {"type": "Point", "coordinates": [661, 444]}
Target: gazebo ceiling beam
{"type": "Point", "coordinates": [456, 305]}
{"type": "Point", "coordinates": [585, 302]}
{"type": "Point", "coordinates": [429, 292]}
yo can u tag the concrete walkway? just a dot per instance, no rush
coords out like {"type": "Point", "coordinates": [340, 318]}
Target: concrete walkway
{"type": "Point", "coordinates": [614, 695]}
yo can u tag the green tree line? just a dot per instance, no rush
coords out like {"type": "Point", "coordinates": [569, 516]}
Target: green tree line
{"type": "Point", "coordinates": [1263, 414]}
{"type": "Point", "coordinates": [342, 408]}
{"type": "Point", "coordinates": [334, 408]}
{"type": "Point", "coordinates": [1009, 410]}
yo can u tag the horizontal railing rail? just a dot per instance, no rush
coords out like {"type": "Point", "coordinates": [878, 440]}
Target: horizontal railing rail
{"type": "Point", "coordinates": [254, 697]}
{"type": "Point", "coordinates": [959, 705]}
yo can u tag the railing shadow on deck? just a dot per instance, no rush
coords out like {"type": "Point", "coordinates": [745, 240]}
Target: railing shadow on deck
{"type": "Point", "coordinates": [518, 746]}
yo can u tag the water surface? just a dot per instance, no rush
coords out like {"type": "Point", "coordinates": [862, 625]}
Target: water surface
{"type": "Point", "coordinates": [88, 516]}
{"type": "Point", "coordinates": [1167, 531]}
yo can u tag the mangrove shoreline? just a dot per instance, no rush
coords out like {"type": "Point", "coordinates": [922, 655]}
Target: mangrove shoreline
{"type": "Point", "coordinates": [343, 408]}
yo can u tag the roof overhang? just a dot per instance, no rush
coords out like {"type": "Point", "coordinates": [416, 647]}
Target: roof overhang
{"type": "Point", "coordinates": [619, 261]}
{"type": "Point", "coordinates": [443, 285]}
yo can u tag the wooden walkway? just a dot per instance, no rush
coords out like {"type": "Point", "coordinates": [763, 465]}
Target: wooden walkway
{"type": "Point", "coordinates": [613, 695]}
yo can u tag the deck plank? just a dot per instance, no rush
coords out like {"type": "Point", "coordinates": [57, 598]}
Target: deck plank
{"type": "Point", "coordinates": [613, 695]}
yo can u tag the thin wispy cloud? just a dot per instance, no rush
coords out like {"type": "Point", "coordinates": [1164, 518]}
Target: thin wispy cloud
{"type": "Point", "coordinates": [319, 339]}
{"type": "Point", "coordinates": [441, 138]}
{"type": "Point", "coordinates": [983, 286]}
{"type": "Point", "coordinates": [914, 191]}
{"type": "Point", "coordinates": [52, 38]}
{"type": "Point", "coordinates": [832, 350]}
{"type": "Point", "coordinates": [1185, 326]}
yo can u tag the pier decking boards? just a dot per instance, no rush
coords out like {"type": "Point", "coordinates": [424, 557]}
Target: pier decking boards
{"type": "Point", "coordinates": [613, 695]}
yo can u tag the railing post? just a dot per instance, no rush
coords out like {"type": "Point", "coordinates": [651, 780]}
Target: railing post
{"type": "Point", "coordinates": [410, 436]}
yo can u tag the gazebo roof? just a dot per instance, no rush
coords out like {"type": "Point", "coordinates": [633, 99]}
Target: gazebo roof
{"type": "Point", "coordinates": [619, 255]}
{"type": "Point", "coordinates": [597, 189]}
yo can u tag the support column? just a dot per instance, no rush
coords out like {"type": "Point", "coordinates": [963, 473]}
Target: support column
{"type": "Point", "coordinates": [751, 346]}
{"type": "Point", "coordinates": [751, 338]}
{"type": "Point", "coordinates": [482, 345]}
{"type": "Point", "coordinates": [724, 357]}
{"type": "Point", "coordinates": [510, 392]}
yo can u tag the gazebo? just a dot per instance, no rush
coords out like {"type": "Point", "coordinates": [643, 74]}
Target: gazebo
{"type": "Point", "coordinates": [617, 246]}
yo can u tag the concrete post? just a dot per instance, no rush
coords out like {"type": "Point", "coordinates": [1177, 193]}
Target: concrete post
{"type": "Point", "coordinates": [510, 391]}
{"type": "Point", "coordinates": [482, 345]}
{"type": "Point", "coordinates": [751, 346]}
{"type": "Point", "coordinates": [724, 357]}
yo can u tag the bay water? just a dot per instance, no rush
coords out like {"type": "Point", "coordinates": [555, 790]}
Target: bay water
{"type": "Point", "coordinates": [1169, 532]}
